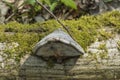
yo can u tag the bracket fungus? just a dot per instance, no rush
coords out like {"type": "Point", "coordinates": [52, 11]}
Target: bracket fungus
{"type": "Point", "coordinates": [58, 44]}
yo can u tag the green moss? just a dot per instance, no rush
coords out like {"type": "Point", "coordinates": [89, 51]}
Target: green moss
{"type": "Point", "coordinates": [104, 51]}
{"type": "Point", "coordinates": [84, 30]}
{"type": "Point", "coordinates": [104, 35]}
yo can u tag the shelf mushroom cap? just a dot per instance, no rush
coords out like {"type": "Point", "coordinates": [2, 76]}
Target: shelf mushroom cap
{"type": "Point", "coordinates": [58, 43]}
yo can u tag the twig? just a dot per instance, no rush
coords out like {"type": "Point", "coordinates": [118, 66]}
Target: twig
{"type": "Point", "coordinates": [55, 18]}
{"type": "Point", "coordinates": [6, 20]}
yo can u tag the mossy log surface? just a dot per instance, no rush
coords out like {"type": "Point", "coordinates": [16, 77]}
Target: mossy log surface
{"type": "Point", "coordinates": [85, 31]}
